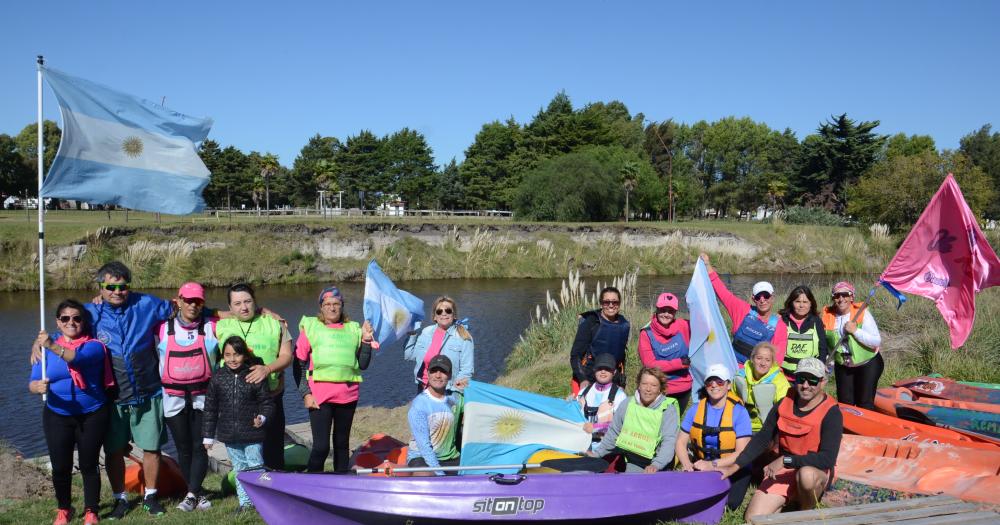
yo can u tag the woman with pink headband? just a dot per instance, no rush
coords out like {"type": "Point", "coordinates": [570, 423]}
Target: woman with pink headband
{"type": "Point", "coordinates": [858, 363]}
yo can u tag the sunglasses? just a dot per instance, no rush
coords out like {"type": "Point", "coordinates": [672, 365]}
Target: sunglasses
{"type": "Point", "coordinates": [811, 381]}
{"type": "Point", "coordinates": [192, 300]}
{"type": "Point", "coordinates": [842, 295]}
{"type": "Point", "coordinates": [666, 310]}
{"type": "Point", "coordinates": [68, 318]}
{"type": "Point", "coordinates": [443, 311]}
{"type": "Point", "coordinates": [715, 381]}
{"type": "Point", "coordinates": [610, 303]}
{"type": "Point", "coordinates": [762, 295]}
{"type": "Point", "coordinates": [123, 287]}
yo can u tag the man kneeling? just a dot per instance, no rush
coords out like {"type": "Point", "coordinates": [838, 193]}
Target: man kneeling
{"type": "Point", "coordinates": [809, 427]}
{"type": "Point", "coordinates": [434, 418]}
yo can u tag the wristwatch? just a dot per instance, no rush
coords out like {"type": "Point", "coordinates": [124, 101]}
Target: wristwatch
{"type": "Point", "coordinates": [715, 463]}
{"type": "Point", "coordinates": [786, 461]}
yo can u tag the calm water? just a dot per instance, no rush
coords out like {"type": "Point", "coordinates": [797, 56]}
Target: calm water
{"type": "Point", "coordinates": [499, 311]}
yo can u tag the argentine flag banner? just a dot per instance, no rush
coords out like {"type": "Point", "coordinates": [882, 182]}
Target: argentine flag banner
{"type": "Point", "coordinates": [710, 342]}
{"type": "Point", "coordinates": [123, 150]}
{"type": "Point", "coordinates": [391, 311]}
{"type": "Point", "coordinates": [506, 426]}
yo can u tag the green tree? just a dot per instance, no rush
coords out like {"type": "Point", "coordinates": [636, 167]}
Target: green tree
{"type": "Point", "coordinates": [983, 149]}
{"type": "Point", "coordinates": [409, 168]}
{"type": "Point", "coordinates": [629, 178]}
{"type": "Point", "coordinates": [314, 169]}
{"type": "Point", "coordinates": [896, 190]}
{"type": "Point", "coordinates": [835, 158]}
{"type": "Point", "coordinates": [27, 144]}
{"type": "Point", "coordinates": [492, 168]}
{"type": "Point", "coordinates": [579, 186]}
{"type": "Point", "coordinates": [450, 190]}
{"type": "Point", "coordinates": [15, 177]}
{"type": "Point", "coordinates": [363, 169]}
{"type": "Point", "coordinates": [901, 145]}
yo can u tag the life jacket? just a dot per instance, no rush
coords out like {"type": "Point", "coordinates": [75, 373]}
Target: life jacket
{"type": "Point", "coordinates": [857, 353]}
{"type": "Point", "coordinates": [610, 338]}
{"type": "Point", "coordinates": [725, 431]}
{"type": "Point", "coordinates": [262, 335]}
{"type": "Point", "coordinates": [752, 331]}
{"type": "Point", "coordinates": [758, 396]}
{"type": "Point", "coordinates": [640, 433]}
{"type": "Point", "coordinates": [186, 369]}
{"type": "Point", "coordinates": [801, 344]}
{"type": "Point", "coordinates": [674, 348]}
{"type": "Point", "coordinates": [800, 435]}
{"type": "Point", "coordinates": [594, 414]}
{"type": "Point", "coordinates": [334, 350]}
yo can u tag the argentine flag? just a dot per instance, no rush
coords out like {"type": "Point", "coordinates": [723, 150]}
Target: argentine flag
{"type": "Point", "coordinates": [119, 149]}
{"type": "Point", "coordinates": [391, 311]}
{"type": "Point", "coordinates": [710, 342]}
{"type": "Point", "coordinates": [506, 426]}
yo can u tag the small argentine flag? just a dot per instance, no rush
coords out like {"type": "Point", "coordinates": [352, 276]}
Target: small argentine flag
{"type": "Point", "coordinates": [506, 426]}
{"type": "Point", "coordinates": [710, 342]}
{"type": "Point", "coordinates": [391, 311]}
{"type": "Point", "coordinates": [119, 149]}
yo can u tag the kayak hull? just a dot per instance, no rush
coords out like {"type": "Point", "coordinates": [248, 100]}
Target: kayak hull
{"type": "Point", "coordinates": [550, 498]}
{"type": "Point", "coordinates": [921, 467]}
{"type": "Point", "coordinates": [900, 402]}
{"type": "Point", "coordinates": [944, 388]}
{"type": "Point", "coordinates": [873, 424]}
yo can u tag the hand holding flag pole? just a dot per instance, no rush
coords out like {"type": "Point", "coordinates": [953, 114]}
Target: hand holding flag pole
{"type": "Point", "coordinates": [857, 315]}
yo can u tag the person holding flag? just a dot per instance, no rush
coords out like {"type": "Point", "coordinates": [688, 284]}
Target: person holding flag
{"type": "Point", "coordinates": [858, 364]}
{"type": "Point", "coordinates": [445, 337]}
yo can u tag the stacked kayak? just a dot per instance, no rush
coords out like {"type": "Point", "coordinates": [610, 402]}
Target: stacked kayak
{"type": "Point", "coordinates": [944, 388]}
{"type": "Point", "coordinates": [552, 498]}
{"type": "Point", "coordinates": [966, 416]}
{"type": "Point", "coordinates": [921, 467]}
{"type": "Point", "coordinates": [873, 424]}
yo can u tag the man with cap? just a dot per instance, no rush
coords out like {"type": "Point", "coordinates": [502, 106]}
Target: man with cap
{"type": "Point", "coordinates": [188, 353]}
{"type": "Point", "coordinates": [808, 426]}
{"type": "Point", "coordinates": [434, 418]}
{"type": "Point", "coordinates": [663, 344]}
{"type": "Point", "coordinates": [753, 322]}
{"type": "Point", "coordinates": [600, 399]}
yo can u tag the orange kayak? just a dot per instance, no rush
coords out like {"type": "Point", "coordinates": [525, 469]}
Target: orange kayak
{"type": "Point", "coordinates": [923, 468]}
{"type": "Point", "coordinates": [379, 450]}
{"type": "Point", "coordinates": [944, 388]}
{"type": "Point", "coordinates": [169, 480]}
{"type": "Point", "coordinates": [873, 424]}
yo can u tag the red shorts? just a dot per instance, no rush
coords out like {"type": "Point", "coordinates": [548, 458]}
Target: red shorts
{"type": "Point", "coordinates": [785, 485]}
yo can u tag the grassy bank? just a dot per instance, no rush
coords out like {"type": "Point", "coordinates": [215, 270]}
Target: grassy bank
{"type": "Point", "coordinates": [296, 249]}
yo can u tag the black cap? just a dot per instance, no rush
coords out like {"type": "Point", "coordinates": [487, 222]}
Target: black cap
{"type": "Point", "coordinates": [606, 361]}
{"type": "Point", "coordinates": [440, 361]}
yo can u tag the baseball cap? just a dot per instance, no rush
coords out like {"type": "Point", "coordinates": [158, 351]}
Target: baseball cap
{"type": "Point", "coordinates": [191, 291]}
{"type": "Point", "coordinates": [441, 362]}
{"type": "Point", "coordinates": [605, 361]}
{"type": "Point", "coordinates": [762, 286]}
{"type": "Point", "coordinates": [721, 371]}
{"type": "Point", "coordinates": [811, 366]}
{"type": "Point", "coordinates": [667, 300]}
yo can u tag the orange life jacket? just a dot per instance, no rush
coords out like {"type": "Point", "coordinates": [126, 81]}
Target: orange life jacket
{"type": "Point", "coordinates": [800, 435]}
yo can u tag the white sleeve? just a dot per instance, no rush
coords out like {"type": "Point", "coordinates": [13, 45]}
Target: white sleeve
{"type": "Point", "coordinates": [868, 334]}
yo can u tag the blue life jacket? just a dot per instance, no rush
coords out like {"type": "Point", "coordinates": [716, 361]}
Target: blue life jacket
{"type": "Point", "coordinates": [675, 348]}
{"type": "Point", "coordinates": [611, 338]}
{"type": "Point", "coordinates": [752, 331]}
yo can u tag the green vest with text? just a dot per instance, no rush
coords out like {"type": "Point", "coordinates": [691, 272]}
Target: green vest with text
{"type": "Point", "coordinates": [859, 353]}
{"type": "Point", "coordinates": [800, 346]}
{"type": "Point", "coordinates": [262, 335]}
{"type": "Point", "coordinates": [640, 432]}
{"type": "Point", "coordinates": [334, 350]}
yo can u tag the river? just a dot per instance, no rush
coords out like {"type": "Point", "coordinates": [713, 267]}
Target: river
{"type": "Point", "coordinates": [499, 311]}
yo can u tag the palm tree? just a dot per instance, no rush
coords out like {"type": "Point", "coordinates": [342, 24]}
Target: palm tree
{"type": "Point", "coordinates": [630, 179]}
{"type": "Point", "coordinates": [268, 167]}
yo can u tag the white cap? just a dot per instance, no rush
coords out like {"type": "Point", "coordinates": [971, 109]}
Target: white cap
{"type": "Point", "coordinates": [762, 286]}
{"type": "Point", "coordinates": [721, 371]}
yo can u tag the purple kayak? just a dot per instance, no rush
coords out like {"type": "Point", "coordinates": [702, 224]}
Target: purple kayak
{"type": "Point", "coordinates": [698, 497]}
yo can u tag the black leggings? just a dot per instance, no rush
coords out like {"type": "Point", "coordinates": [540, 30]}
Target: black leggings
{"type": "Point", "coordinates": [85, 433]}
{"type": "Point", "coordinates": [682, 398]}
{"type": "Point", "coordinates": [185, 427]}
{"type": "Point", "coordinates": [738, 488]}
{"type": "Point", "coordinates": [274, 437]}
{"type": "Point", "coordinates": [338, 418]}
{"type": "Point", "coordinates": [856, 385]}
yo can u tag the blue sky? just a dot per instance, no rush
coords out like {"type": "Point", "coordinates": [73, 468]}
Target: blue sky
{"type": "Point", "coordinates": [273, 74]}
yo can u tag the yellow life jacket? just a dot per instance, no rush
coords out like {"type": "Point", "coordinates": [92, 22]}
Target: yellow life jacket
{"type": "Point", "coordinates": [725, 430]}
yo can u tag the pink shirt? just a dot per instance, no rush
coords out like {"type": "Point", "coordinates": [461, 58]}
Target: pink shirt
{"type": "Point", "coordinates": [325, 391]}
{"type": "Point", "coordinates": [738, 309]}
{"type": "Point", "coordinates": [434, 349]}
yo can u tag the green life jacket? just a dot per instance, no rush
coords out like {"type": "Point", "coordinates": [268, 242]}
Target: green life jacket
{"type": "Point", "coordinates": [262, 335]}
{"type": "Point", "coordinates": [334, 350]}
{"type": "Point", "coordinates": [640, 432]}
{"type": "Point", "coordinates": [859, 353]}
{"type": "Point", "coordinates": [801, 345]}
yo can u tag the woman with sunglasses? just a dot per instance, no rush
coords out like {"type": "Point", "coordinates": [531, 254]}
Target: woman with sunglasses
{"type": "Point", "coordinates": [663, 344]}
{"type": "Point", "coordinates": [854, 340]}
{"type": "Point", "coordinates": [599, 331]}
{"type": "Point", "coordinates": [753, 322]}
{"type": "Point", "coordinates": [805, 329]}
{"type": "Point", "coordinates": [333, 350]}
{"type": "Point", "coordinates": [76, 412]}
{"type": "Point", "coordinates": [444, 337]}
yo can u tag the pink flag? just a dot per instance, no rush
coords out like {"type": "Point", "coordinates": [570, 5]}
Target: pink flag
{"type": "Point", "coordinates": [946, 258]}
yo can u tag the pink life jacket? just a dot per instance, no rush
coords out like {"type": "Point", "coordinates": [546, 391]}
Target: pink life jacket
{"type": "Point", "coordinates": [186, 369]}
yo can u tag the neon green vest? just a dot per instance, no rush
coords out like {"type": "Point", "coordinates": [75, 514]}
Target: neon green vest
{"type": "Point", "coordinates": [800, 346]}
{"type": "Point", "coordinates": [262, 334]}
{"type": "Point", "coordinates": [859, 353]}
{"type": "Point", "coordinates": [334, 350]}
{"type": "Point", "coordinates": [640, 432]}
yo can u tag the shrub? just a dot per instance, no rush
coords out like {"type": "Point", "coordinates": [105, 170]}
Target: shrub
{"type": "Point", "coordinates": [809, 215]}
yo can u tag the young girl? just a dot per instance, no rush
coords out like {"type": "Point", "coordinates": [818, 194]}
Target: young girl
{"type": "Point", "coordinates": [235, 412]}
{"type": "Point", "coordinates": [600, 399]}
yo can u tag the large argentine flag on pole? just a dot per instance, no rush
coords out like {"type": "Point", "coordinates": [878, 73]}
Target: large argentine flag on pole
{"type": "Point", "coordinates": [710, 342]}
{"type": "Point", "coordinates": [506, 426]}
{"type": "Point", "coordinates": [119, 149]}
{"type": "Point", "coordinates": [391, 311]}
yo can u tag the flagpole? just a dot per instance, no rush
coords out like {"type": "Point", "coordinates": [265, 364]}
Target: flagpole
{"type": "Point", "coordinates": [41, 216]}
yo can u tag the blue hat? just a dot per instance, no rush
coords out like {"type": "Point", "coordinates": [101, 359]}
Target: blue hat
{"type": "Point", "coordinates": [330, 291]}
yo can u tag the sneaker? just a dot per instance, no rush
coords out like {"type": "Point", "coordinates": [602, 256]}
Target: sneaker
{"type": "Point", "coordinates": [203, 503]}
{"type": "Point", "coordinates": [63, 516]}
{"type": "Point", "coordinates": [90, 518]}
{"type": "Point", "coordinates": [152, 506]}
{"type": "Point", "coordinates": [187, 504]}
{"type": "Point", "coordinates": [121, 509]}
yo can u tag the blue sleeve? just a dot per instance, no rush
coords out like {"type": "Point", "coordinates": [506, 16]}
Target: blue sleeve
{"type": "Point", "coordinates": [688, 419]}
{"type": "Point", "coordinates": [741, 422]}
{"type": "Point", "coordinates": [36, 371]}
{"type": "Point", "coordinates": [417, 417]}
{"type": "Point", "coordinates": [90, 353]}
{"type": "Point", "coordinates": [162, 308]}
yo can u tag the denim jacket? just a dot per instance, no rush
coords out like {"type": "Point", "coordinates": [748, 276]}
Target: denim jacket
{"type": "Point", "coordinates": [460, 351]}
